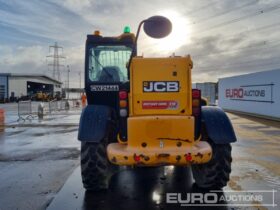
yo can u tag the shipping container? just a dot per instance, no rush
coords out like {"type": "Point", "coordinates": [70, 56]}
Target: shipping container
{"type": "Point", "coordinates": [254, 94]}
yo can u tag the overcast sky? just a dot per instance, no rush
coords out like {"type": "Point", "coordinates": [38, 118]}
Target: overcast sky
{"type": "Point", "coordinates": [224, 38]}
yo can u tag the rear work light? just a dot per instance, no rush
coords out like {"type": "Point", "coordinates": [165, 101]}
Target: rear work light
{"type": "Point", "coordinates": [123, 112]}
{"type": "Point", "coordinates": [196, 102]}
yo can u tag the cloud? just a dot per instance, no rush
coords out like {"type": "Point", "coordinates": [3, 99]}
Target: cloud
{"type": "Point", "coordinates": [216, 57]}
{"type": "Point", "coordinates": [19, 57]}
{"type": "Point", "coordinates": [42, 20]}
{"type": "Point", "coordinates": [32, 59]}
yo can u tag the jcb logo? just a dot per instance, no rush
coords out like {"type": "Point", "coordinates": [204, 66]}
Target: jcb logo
{"type": "Point", "coordinates": [160, 86]}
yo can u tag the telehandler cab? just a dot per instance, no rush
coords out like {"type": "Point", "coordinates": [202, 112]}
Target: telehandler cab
{"type": "Point", "coordinates": [144, 112]}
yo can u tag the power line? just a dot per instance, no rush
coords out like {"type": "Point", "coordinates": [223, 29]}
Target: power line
{"type": "Point", "coordinates": [262, 43]}
{"type": "Point", "coordinates": [250, 31]}
{"type": "Point", "coordinates": [246, 62]}
{"type": "Point", "coordinates": [224, 12]}
{"type": "Point", "coordinates": [235, 20]}
{"type": "Point", "coordinates": [241, 64]}
{"type": "Point", "coordinates": [266, 65]}
{"type": "Point", "coordinates": [246, 32]}
{"type": "Point", "coordinates": [206, 6]}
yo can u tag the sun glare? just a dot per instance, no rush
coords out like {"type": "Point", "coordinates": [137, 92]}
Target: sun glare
{"type": "Point", "coordinates": [179, 36]}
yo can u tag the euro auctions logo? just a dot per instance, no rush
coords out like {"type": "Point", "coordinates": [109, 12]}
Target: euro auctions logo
{"type": "Point", "coordinates": [224, 198]}
{"type": "Point", "coordinates": [256, 93]}
{"type": "Point", "coordinates": [241, 93]}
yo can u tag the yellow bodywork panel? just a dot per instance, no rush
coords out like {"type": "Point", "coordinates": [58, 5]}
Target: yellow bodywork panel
{"type": "Point", "coordinates": [160, 140]}
{"type": "Point", "coordinates": [156, 131]}
{"type": "Point", "coordinates": [160, 86]}
{"type": "Point", "coordinates": [160, 123]}
{"type": "Point", "coordinates": [199, 153]}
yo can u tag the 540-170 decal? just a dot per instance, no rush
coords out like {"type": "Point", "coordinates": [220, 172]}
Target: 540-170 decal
{"type": "Point", "coordinates": [170, 105]}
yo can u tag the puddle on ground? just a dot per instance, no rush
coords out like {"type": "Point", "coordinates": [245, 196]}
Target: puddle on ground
{"type": "Point", "coordinates": [271, 132]}
{"type": "Point", "coordinates": [42, 154]}
{"type": "Point", "coordinates": [255, 127]}
{"type": "Point", "coordinates": [13, 133]}
{"type": "Point", "coordinates": [249, 142]}
{"type": "Point", "coordinates": [54, 132]}
{"type": "Point", "coordinates": [252, 172]}
{"type": "Point", "coordinates": [270, 158]}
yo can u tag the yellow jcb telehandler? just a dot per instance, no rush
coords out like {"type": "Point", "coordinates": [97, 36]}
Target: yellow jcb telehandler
{"type": "Point", "coordinates": [143, 112]}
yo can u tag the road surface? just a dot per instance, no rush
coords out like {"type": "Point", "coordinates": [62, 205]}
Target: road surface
{"type": "Point", "coordinates": [39, 169]}
{"type": "Point", "coordinates": [256, 167]}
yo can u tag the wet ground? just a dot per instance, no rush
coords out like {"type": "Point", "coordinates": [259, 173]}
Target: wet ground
{"type": "Point", "coordinates": [39, 169]}
{"type": "Point", "coordinates": [36, 157]}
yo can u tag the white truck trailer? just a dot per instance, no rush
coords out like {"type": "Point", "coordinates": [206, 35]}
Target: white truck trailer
{"type": "Point", "coordinates": [253, 94]}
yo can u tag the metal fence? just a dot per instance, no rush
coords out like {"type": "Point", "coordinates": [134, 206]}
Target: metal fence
{"type": "Point", "coordinates": [63, 105]}
{"type": "Point", "coordinates": [55, 105]}
{"type": "Point", "coordinates": [28, 110]}
{"type": "Point", "coordinates": [76, 103]}
{"type": "Point", "coordinates": [24, 110]}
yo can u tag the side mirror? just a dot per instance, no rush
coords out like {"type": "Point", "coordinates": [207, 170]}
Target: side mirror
{"type": "Point", "coordinates": [157, 27]}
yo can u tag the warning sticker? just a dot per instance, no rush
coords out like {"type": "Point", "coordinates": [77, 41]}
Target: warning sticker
{"type": "Point", "coordinates": [160, 105]}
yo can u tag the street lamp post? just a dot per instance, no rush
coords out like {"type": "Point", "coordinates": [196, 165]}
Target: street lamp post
{"type": "Point", "coordinates": [68, 81]}
{"type": "Point", "coordinates": [80, 85]}
{"type": "Point", "coordinates": [80, 75]}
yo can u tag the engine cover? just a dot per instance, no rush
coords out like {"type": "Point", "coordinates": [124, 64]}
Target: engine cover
{"type": "Point", "coordinates": [161, 86]}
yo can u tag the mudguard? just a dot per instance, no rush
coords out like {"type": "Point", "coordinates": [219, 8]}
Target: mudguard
{"type": "Point", "coordinates": [94, 123]}
{"type": "Point", "coordinates": [218, 125]}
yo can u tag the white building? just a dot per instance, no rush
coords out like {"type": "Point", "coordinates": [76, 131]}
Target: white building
{"type": "Point", "coordinates": [208, 91]}
{"type": "Point", "coordinates": [18, 85]}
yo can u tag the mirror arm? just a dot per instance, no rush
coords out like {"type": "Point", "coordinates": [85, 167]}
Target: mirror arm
{"type": "Point", "coordinates": [134, 47]}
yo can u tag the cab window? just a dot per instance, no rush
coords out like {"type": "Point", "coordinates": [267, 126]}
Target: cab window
{"type": "Point", "coordinates": [107, 64]}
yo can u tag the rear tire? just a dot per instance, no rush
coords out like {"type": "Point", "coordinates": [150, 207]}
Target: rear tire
{"type": "Point", "coordinates": [96, 169]}
{"type": "Point", "coordinates": [94, 166]}
{"type": "Point", "coordinates": [214, 174]}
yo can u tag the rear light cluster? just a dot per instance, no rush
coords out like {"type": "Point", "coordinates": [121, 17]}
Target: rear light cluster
{"type": "Point", "coordinates": [196, 102]}
{"type": "Point", "coordinates": [123, 103]}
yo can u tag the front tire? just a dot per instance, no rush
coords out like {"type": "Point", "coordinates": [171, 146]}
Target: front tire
{"type": "Point", "coordinates": [214, 174]}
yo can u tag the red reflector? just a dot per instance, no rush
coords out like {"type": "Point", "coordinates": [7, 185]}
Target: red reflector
{"type": "Point", "coordinates": [137, 158]}
{"type": "Point", "coordinates": [188, 157]}
{"type": "Point", "coordinates": [123, 94]}
{"type": "Point", "coordinates": [195, 93]}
